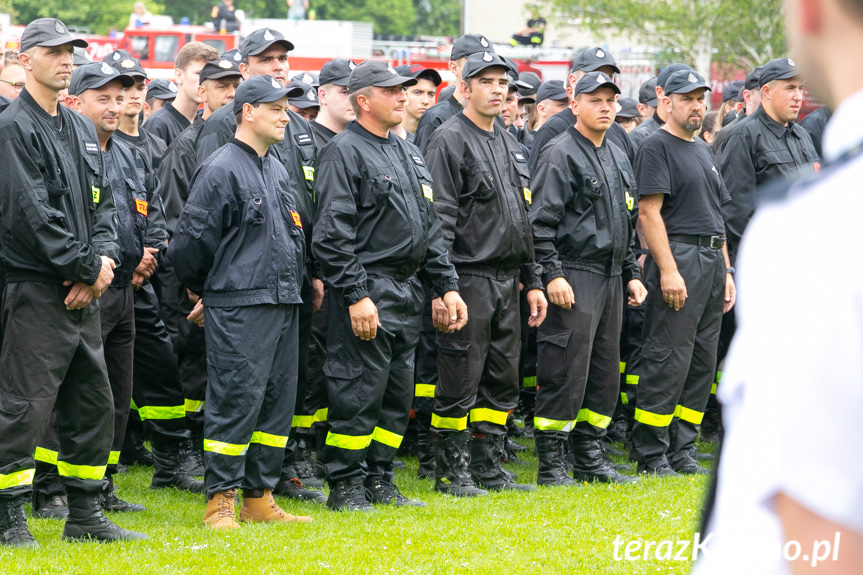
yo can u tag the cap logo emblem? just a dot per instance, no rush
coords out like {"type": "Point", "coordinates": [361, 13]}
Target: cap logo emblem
{"type": "Point", "coordinates": [172, 86]}
{"type": "Point", "coordinates": [791, 63]}
{"type": "Point", "coordinates": [487, 57]}
{"type": "Point", "coordinates": [307, 79]}
{"type": "Point", "coordinates": [276, 85]}
{"type": "Point", "coordinates": [600, 54]}
{"type": "Point", "coordinates": [127, 63]}
{"type": "Point", "coordinates": [116, 56]}
{"type": "Point", "coordinates": [391, 70]}
{"type": "Point", "coordinates": [59, 27]}
{"type": "Point", "coordinates": [351, 64]}
{"type": "Point", "coordinates": [107, 69]}
{"type": "Point", "coordinates": [268, 36]}
{"type": "Point", "coordinates": [225, 64]}
{"type": "Point", "coordinates": [602, 78]}
{"type": "Point", "coordinates": [238, 57]}
{"type": "Point", "coordinates": [483, 42]}
{"type": "Point", "coordinates": [692, 79]}
{"type": "Point", "coordinates": [311, 95]}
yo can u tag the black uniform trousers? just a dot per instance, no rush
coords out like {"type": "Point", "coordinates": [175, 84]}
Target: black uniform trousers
{"type": "Point", "coordinates": [251, 391]}
{"type": "Point", "coordinates": [315, 402]}
{"type": "Point", "coordinates": [117, 319]}
{"type": "Point", "coordinates": [52, 355]}
{"type": "Point", "coordinates": [302, 420]}
{"type": "Point", "coordinates": [527, 364]}
{"type": "Point", "coordinates": [579, 358]}
{"type": "Point", "coordinates": [156, 390]}
{"type": "Point", "coordinates": [678, 357]}
{"type": "Point", "coordinates": [631, 335]}
{"type": "Point", "coordinates": [425, 371]}
{"type": "Point", "coordinates": [478, 366]}
{"type": "Point", "coordinates": [370, 383]}
{"type": "Point", "coordinates": [192, 365]}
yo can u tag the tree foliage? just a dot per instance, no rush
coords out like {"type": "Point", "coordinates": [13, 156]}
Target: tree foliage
{"type": "Point", "coordinates": [735, 33]}
{"type": "Point", "coordinates": [99, 16]}
{"type": "Point", "coordinates": [387, 16]}
{"type": "Point", "coordinates": [437, 17]}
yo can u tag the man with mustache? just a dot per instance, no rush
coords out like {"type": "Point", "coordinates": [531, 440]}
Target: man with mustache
{"type": "Point", "coordinates": [689, 279]}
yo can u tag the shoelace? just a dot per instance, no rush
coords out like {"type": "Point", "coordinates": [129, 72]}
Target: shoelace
{"type": "Point", "coordinates": [390, 492]}
{"type": "Point", "coordinates": [225, 504]}
{"type": "Point", "coordinates": [19, 529]}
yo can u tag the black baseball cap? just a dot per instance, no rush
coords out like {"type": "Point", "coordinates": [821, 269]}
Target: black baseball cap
{"type": "Point", "coordinates": [309, 78]}
{"type": "Point", "coordinates": [753, 79]}
{"type": "Point", "coordinates": [647, 93]}
{"type": "Point", "coordinates": [96, 75]}
{"type": "Point", "coordinates": [531, 79]}
{"type": "Point", "coordinates": [778, 69]}
{"type": "Point", "coordinates": [221, 68]}
{"type": "Point", "coordinates": [48, 32]}
{"type": "Point", "coordinates": [628, 108]}
{"type": "Point", "coordinates": [666, 73]}
{"type": "Point", "coordinates": [476, 63]}
{"type": "Point", "coordinates": [593, 81]}
{"type": "Point", "coordinates": [420, 73]}
{"type": "Point", "coordinates": [308, 98]}
{"type": "Point", "coordinates": [337, 72]}
{"type": "Point", "coordinates": [80, 57]}
{"type": "Point", "coordinates": [469, 44]}
{"type": "Point", "coordinates": [592, 59]}
{"type": "Point", "coordinates": [377, 73]}
{"type": "Point", "coordinates": [162, 89]}
{"type": "Point", "coordinates": [732, 91]}
{"type": "Point", "coordinates": [232, 54]}
{"type": "Point", "coordinates": [262, 88]}
{"type": "Point", "coordinates": [261, 39]}
{"type": "Point", "coordinates": [124, 63]}
{"type": "Point", "coordinates": [551, 90]}
{"type": "Point", "coordinates": [684, 82]}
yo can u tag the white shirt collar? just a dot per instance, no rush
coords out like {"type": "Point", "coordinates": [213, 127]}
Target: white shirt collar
{"type": "Point", "coordinates": [845, 128]}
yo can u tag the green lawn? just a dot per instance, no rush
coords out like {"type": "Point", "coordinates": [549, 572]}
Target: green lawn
{"type": "Point", "coordinates": [559, 530]}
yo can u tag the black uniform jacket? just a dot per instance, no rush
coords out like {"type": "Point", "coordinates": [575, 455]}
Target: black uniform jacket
{"type": "Point", "coordinates": [757, 151]}
{"type": "Point", "coordinates": [644, 129]}
{"type": "Point", "coordinates": [584, 209]}
{"type": "Point", "coordinates": [482, 195]}
{"type": "Point", "coordinates": [56, 208]}
{"type": "Point", "coordinates": [176, 170]}
{"type": "Point", "coordinates": [376, 215]}
{"type": "Point", "coordinates": [140, 216]}
{"type": "Point", "coordinates": [564, 119]}
{"type": "Point", "coordinates": [152, 146]}
{"type": "Point", "coordinates": [434, 117]}
{"type": "Point", "coordinates": [239, 241]}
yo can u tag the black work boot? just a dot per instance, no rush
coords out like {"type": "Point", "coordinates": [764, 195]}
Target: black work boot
{"type": "Point", "coordinates": [683, 463]}
{"type": "Point", "coordinates": [386, 492]}
{"type": "Point", "coordinates": [303, 463]}
{"type": "Point", "coordinates": [659, 468]}
{"type": "Point", "coordinates": [170, 468]}
{"type": "Point", "coordinates": [486, 464]}
{"type": "Point", "coordinates": [425, 450]}
{"type": "Point", "coordinates": [590, 465]}
{"type": "Point", "coordinates": [134, 452]}
{"type": "Point", "coordinates": [192, 453]}
{"type": "Point", "coordinates": [321, 430]}
{"type": "Point", "coordinates": [110, 501]}
{"type": "Point", "coordinates": [451, 465]}
{"type": "Point", "coordinates": [552, 460]}
{"type": "Point", "coordinates": [13, 523]}
{"type": "Point", "coordinates": [49, 506]}
{"type": "Point", "coordinates": [510, 448]}
{"type": "Point", "coordinates": [295, 489]}
{"type": "Point", "coordinates": [711, 424]}
{"type": "Point", "coordinates": [349, 495]}
{"type": "Point", "coordinates": [87, 522]}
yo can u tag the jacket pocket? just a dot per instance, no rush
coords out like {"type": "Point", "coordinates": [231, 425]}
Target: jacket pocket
{"type": "Point", "coordinates": [256, 208]}
{"type": "Point", "coordinates": [553, 357]}
{"type": "Point", "coordinates": [195, 219]}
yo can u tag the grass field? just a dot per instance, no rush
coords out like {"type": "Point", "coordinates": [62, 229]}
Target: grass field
{"type": "Point", "coordinates": [558, 530]}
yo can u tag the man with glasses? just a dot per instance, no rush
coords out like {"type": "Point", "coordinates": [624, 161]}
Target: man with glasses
{"type": "Point", "coordinates": [11, 80]}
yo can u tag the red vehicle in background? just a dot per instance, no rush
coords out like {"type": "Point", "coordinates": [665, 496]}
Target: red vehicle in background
{"type": "Point", "coordinates": [157, 46]}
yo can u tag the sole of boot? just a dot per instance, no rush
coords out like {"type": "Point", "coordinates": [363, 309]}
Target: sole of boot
{"type": "Point", "coordinates": [79, 535]}
{"type": "Point", "coordinates": [55, 515]}
{"type": "Point", "coordinates": [20, 544]}
{"type": "Point", "coordinates": [559, 483]}
{"type": "Point", "coordinates": [197, 488]}
{"type": "Point", "coordinates": [458, 492]}
{"type": "Point", "coordinates": [311, 482]}
{"type": "Point", "coordinates": [349, 509]}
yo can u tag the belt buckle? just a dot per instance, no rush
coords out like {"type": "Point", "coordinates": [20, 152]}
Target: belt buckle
{"type": "Point", "coordinates": [716, 242]}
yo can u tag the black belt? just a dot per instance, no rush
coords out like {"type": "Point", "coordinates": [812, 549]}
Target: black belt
{"type": "Point", "coordinates": [712, 242]}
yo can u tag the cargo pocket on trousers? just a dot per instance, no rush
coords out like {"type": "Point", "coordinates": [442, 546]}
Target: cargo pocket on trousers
{"type": "Point", "coordinates": [12, 410]}
{"type": "Point", "coordinates": [230, 374]}
{"type": "Point", "coordinates": [553, 357]}
{"type": "Point", "coordinates": [453, 367]}
{"type": "Point", "coordinates": [343, 391]}
{"type": "Point", "coordinates": [654, 361]}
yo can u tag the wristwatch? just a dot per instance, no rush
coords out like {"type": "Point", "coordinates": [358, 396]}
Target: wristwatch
{"type": "Point", "coordinates": [730, 270]}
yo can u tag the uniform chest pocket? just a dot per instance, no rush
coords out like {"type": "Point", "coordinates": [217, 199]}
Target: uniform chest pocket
{"type": "Point", "coordinates": [771, 157]}
{"type": "Point", "coordinates": [137, 202]}
{"type": "Point", "coordinates": [306, 157]}
{"type": "Point", "coordinates": [520, 163]}
{"type": "Point", "coordinates": [256, 207]}
{"type": "Point", "coordinates": [95, 179]}
{"type": "Point", "coordinates": [378, 189]}
{"type": "Point", "coordinates": [481, 185]}
{"type": "Point", "coordinates": [591, 187]}
{"type": "Point", "coordinates": [425, 179]}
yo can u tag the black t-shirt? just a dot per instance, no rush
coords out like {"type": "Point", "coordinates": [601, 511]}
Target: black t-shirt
{"type": "Point", "coordinates": [686, 173]}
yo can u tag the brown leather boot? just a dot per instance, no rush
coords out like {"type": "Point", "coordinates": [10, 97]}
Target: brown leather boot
{"type": "Point", "coordinates": [264, 509]}
{"type": "Point", "coordinates": [220, 512]}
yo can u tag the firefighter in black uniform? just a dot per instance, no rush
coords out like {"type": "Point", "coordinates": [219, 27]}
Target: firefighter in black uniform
{"type": "Point", "coordinates": [376, 232]}
{"type": "Point", "coordinates": [688, 276]}
{"type": "Point", "coordinates": [583, 215]}
{"type": "Point", "coordinates": [658, 118]}
{"type": "Point", "coordinates": [265, 51]}
{"type": "Point", "coordinates": [59, 251]}
{"type": "Point", "coordinates": [483, 190]}
{"type": "Point", "coordinates": [239, 245]}
{"type": "Point", "coordinates": [588, 60]}
{"type": "Point", "coordinates": [218, 82]}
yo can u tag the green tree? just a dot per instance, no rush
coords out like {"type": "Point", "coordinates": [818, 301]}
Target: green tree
{"type": "Point", "coordinates": [734, 33]}
{"type": "Point", "coordinates": [437, 17]}
{"type": "Point", "coordinates": [388, 16]}
{"type": "Point", "coordinates": [99, 16]}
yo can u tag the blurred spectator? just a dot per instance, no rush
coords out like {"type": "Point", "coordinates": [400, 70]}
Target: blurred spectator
{"type": "Point", "coordinates": [140, 16]}
{"type": "Point", "coordinates": [297, 9]}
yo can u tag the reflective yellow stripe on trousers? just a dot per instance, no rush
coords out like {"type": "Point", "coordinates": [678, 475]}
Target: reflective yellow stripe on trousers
{"type": "Point", "coordinates": [269, 440]}
{"type": "Point", "coordinates": [654, 419]}
{"type": "Point", "coordinates": [593, 418]}
{"type": "Point", "coordinates": [492, 415]}
{"type": "Point", "coordinates": [423, 390]}
{"type": "Point", "coordinates": [303, 421]}
{"type": "Point", "coordinates": [45, 455]}
{"type": "Point", "coordinates": [193, 405]}
{"type": "Point", "coordinates": [352, 442]}
{"type": "Point", "coordinates": [18, 478]}
{"type": "Point", "coordinates": [543, 424]}
{"type": "Point", "coordinates": [320, 415]}
{"type": "Point", "coordinates": [66, 469]}
{"type": "Point", "coordinates": [454, 423]}
{"type": "Point", "coordinates": [225, 448]}
{"type": "Point", "coordinates": [689, 415]}
{"type": "Point", "coordinates": [162, 412]}
{"type": "Point", "coordinates": [387, 437]}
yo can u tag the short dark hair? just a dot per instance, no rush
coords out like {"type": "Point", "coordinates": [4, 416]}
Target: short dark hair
{"type": "Point", "coordinates": [854, 8]}
{"type": "Point", "coordinates": [239, 115]}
